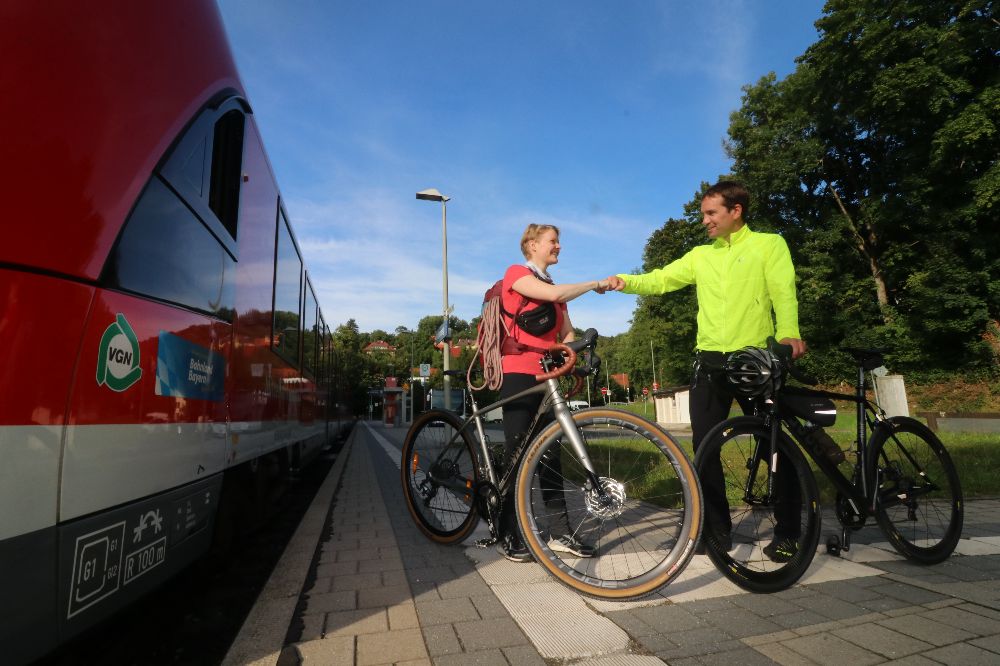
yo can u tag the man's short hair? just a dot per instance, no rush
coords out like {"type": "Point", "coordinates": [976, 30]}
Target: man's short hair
{"type": "Point", "coordinates": [732, 193]}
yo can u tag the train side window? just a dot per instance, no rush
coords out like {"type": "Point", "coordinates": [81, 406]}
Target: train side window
{"type": "Point", "coordinates": [286, 331]}
{"type": "Point", "coordinates": [227, 161]}
{"type": "Point", "coordinates": [165, 252]}
{"type": "Point", "coordinates": [331, 354]}
{"type": "Point", "coordinates": [309, 337]}
{"type": "Point", "coordinates": [321, 339]}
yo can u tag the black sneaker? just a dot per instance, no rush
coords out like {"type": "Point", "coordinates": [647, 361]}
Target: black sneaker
{"type": "Point", "coordinates": [514, 550]}
{"type": "Point", "coordinates": [782, 549]}
{"type": "Point", "coordinates": [571, 545]}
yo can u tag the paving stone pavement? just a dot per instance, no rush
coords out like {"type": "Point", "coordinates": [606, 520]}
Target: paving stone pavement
{"type": "Point", "coordinates": [376, 591]}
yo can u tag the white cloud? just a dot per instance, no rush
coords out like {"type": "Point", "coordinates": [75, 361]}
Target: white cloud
{"type": "Point", "coordinates": [377, 259]}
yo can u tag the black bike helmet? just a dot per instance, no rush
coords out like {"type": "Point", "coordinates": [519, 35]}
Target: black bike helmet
{"type": "Point", "coordinates": [753, 372]}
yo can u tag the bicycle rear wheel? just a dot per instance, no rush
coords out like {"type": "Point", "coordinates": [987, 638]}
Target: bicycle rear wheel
{"type": "Point", "coordinates": [740, 525]}
{"type": "Point", "coordinates": [919, 505]}
{"type": "Point", "coordinates": [439, 477]}
{"type": "Point", "coordinates": [645, 530]}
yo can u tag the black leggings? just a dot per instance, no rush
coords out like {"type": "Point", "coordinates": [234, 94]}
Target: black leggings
{"type": "Point", "coordinates": [710, 404]}
{"type": "Point", "coordinates": [517, 416]}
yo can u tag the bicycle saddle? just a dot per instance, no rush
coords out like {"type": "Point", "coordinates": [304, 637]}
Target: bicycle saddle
{"type": "Point", "coordinates": [869, 359]}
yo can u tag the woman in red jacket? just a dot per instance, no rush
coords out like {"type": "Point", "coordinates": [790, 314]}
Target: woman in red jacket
{"type": "Point", "coordinates": [529, 290]}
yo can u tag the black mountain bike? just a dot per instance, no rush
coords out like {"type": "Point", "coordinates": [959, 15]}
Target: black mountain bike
{"type": "Point", "coordinates": [605, 477]}
{"type": "Point", "coordinates": [901, 475]}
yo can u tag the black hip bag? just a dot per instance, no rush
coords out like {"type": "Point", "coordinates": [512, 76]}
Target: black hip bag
{"type": "Point", "coordinates": [536, 321]}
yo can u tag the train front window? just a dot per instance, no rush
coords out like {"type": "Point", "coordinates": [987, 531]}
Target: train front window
{"type": "Point", "coordinates": [179, 242]}
{"type": "Point", "coordinates": [165, 252]}
{"type": "Point", "coordinates": [227, 161]}
{"type": "Point", "coordinates": [204, 168]}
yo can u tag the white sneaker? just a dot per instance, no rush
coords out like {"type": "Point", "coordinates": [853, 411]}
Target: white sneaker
{"type": "Point", "coordinates": [571, 545]}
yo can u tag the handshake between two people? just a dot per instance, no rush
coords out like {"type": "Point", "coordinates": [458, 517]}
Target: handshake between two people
{"type": "Point", "coordinates": [612, 283]}
{"type": "Point", "coordinates": [615, 283]}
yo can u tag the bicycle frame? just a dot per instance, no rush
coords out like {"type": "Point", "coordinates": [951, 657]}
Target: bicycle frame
{"type": "Point", "coordinates": [860, 492]}
{"type": "Point", "coordinates": [553, 401]}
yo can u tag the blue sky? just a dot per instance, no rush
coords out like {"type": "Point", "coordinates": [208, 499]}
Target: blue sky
{"type": "Point", "coordinates": [599, 117]}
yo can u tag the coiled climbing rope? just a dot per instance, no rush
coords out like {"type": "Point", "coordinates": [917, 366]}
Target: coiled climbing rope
{"type": "Point", "coordinates": [489, 343]}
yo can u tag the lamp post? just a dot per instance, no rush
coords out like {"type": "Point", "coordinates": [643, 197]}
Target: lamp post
{"type": "Point", "coordinates": [433, 195]}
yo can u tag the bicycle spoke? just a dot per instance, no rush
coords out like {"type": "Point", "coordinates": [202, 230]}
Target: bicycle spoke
{"type": "Point", "coordinates": [754, 519]}
{"type": "Point", "coordinates": [920, 496]}
{"type": "Point", "coordinates": [439, 477]}
{"type": "Point", "coordinates": [635, 521]}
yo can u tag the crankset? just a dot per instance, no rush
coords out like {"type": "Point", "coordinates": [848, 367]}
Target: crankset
{"type": "Point", "coordinates": [847, 514]}
{"type": "Point", "coordinates": [489, 503]}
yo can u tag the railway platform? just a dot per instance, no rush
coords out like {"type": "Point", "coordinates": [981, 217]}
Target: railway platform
{"type": "Point", "coordinates": [360, 585]}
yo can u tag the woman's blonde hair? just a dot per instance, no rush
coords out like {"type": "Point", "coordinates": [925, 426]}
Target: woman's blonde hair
{"type": "Point", "coordinates": [533, 232]}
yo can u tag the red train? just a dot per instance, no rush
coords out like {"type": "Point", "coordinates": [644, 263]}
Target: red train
{"type": "Point", "coordinates": [163, 346]}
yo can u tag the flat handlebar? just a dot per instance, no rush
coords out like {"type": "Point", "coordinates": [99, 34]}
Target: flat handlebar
{"type": "Point", "coordinates": [784, 352]}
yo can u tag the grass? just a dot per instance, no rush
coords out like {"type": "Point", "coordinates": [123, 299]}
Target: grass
{"type": "Point", "coordinates": [976, 455]}
{"type": "Point", "coordinates": [643, 409]}
{"type": "Point", "coordinates": [645, 471]}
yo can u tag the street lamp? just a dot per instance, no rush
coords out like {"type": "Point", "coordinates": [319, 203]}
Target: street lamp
{"type": "Point", "coordinates": [433, 195]}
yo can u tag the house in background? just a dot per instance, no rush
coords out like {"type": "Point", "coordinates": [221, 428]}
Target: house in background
{"type": "Point", "coordinates": [379, 347]}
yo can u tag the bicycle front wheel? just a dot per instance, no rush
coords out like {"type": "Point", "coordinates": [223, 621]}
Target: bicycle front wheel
{"type": "Point", "coordinates": [919, 504]}
{"type": "Point", "coordinates": [630, 539]}
{"type": "Point", "coordinates": [439, 477]}
{"type": "Point", "coordinates": [761, 541]}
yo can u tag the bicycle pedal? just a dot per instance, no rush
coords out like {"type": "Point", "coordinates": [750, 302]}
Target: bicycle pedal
{"type": "Point", "coordinates": [485, 543]}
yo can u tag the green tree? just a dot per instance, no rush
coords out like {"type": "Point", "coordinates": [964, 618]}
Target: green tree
{"type": "Point", "coordinates": [877, 159]}
{"type": "Point", "coordinates": [349, 367]}
{"type": "Point", "coordinates": [379, 334]}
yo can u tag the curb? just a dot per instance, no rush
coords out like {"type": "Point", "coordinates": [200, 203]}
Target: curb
{"type": "Point", "coordinates": [262, 636]}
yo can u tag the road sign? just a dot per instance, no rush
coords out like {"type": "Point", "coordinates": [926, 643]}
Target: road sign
{"type": "Point", "coordinates": [604, 390]}
{"type": "Point", "coordinates": [443, 333]}
{"type": "Point", "coordinates": [425, 369]}
{"type": "Point", "coordinates": [645, 391]}
{"type": "Point", "coordinates": [656, 387]}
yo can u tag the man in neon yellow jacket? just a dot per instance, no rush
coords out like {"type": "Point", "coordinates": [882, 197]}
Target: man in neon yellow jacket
{"type": "Point", "coordinates": [741, 277]}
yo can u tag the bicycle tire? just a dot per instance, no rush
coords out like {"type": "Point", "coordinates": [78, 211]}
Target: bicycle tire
{"type": "Point", "coordinates": [919, 506]}
{"type": "Point", "coordinates": [753, 519]}
{"type": "Point", "coordinates": [442, 504]}
{"type": "Point", "coordinates": [645, 538]}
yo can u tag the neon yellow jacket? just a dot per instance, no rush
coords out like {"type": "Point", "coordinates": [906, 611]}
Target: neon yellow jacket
{"type": "Point", "coordinates": [738, 283]}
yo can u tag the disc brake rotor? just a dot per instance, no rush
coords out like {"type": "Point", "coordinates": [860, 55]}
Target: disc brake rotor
{"type": "Point", "coordinates": [612, 504]}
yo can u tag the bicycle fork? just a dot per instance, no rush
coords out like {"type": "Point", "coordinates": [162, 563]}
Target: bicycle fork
{"type": "Point", "coordinates": [607, 497]}
{"type": "Point", "coordinates": [763, 453]}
